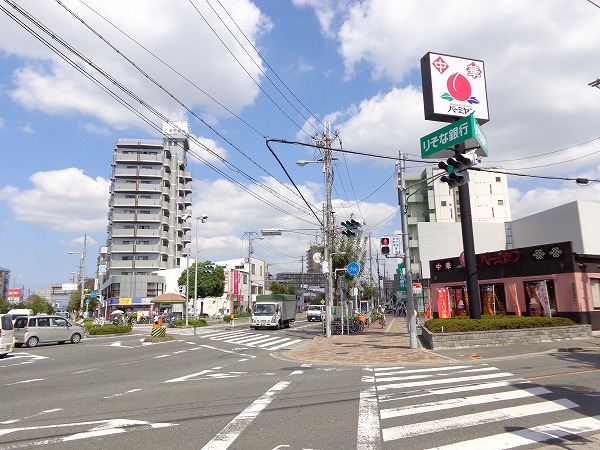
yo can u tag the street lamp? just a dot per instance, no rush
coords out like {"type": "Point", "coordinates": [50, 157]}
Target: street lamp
{"type": "Point", "coordinates": [199, 219]}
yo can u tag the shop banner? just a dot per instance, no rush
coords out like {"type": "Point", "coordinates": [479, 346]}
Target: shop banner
{"type": "Point", "coordinates": [488, 301]}
{"type": "Point", "coordinates": [513, 293]}
{"type": "Point", "coordinates": [542, 293]}
{"type": "Point", "coordinates": [236, 282]}
{"type": "Point", "coordinates": [443, 303]}
{"type": "Point", "coordinates": [427, 314]}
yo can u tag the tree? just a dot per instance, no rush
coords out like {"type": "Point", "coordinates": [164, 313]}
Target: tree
{"type": "Point", "coordinates": [211, 283]}
{"type": "Point", "coordinates": [344, 251]}
{"type": "Point", "coordinates": [39, 305]}
{"type": "Point", "coordinates": [278, 288]}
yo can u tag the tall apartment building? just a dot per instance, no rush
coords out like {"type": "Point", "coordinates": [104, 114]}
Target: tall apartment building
{"type": "Point", "coordinates": [430, 200]}
{"type": "Point", "coordinates": [150, 193]}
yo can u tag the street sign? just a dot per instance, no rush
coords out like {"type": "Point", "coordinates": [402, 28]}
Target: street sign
{"type": "Point", "coordinates": [441, 142]}
{"type": "Point", "coordinates": [353, 268]}
{"type": "Point", "coordinates": [395, 245]}
{"type": "Point", "coordinates": [401, 278]}
{"type": "Point", "coordinates": [93, 294]}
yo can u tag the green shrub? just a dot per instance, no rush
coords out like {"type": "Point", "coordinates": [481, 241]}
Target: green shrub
{"type": "Point", "coordinates": [227, 317]}
{"type": "Point", "coordinates": [490, 323]}
{"type": "Point", "coordinates": [191, 323]}
{"type": "Point", "coordinates": [109, 329]}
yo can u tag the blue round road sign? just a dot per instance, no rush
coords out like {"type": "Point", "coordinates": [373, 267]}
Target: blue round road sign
{"type": "Point", "coordinates": [353, 268]}
{"type": "Point", "coordinates": [93, 294]}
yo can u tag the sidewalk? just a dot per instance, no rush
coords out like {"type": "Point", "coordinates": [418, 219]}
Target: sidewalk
{"type": "Point", "coordinates": [374, 346]}
{"type": "Point", "coordinates": [390, 346]}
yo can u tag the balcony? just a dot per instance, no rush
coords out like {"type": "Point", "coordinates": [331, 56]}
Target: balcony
{"type": "Point", "coordinates": [137, 172]}
{"type": "Point", "coordinates": [136, 187]}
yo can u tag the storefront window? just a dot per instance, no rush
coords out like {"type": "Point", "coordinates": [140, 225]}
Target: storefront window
{"type": "Point", "coordinates": [458, 301]}
{"type": "Point", "coordinates": [493, 299]}
{"type": "Point", "coordinates": [540, 298]}
{"type": "Point", "coordinates": [595, 283]}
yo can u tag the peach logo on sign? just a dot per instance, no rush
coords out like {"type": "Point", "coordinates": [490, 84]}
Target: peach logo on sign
{"type": "Point", "coordinates": [459, 87]}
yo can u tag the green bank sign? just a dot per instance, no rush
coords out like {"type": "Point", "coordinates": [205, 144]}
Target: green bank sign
{"type": "Point", "coordinates": [441, 142]}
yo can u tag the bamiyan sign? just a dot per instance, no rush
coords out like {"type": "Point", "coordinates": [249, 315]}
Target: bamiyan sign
{"type": "Point", "coordinates": [453, 87]}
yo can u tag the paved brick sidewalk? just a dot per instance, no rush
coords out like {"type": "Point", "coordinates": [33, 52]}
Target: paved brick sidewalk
{"type": "Point", "coordinates": [375, 346]}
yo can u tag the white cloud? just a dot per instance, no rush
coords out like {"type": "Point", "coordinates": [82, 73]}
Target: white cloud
{"type": "Point", "coordinates": [48, 84]}
{"type": "Point", "coordinates": [61, 200]}
{"type": "Point", "coordinates": [26, 128]}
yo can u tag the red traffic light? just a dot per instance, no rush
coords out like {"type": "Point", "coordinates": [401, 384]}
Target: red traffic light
{"type": "Point", "coordinates": [385, 245]}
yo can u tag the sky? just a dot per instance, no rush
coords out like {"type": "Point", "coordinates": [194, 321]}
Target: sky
{"type": "Point", "coordinates": [76, 76]}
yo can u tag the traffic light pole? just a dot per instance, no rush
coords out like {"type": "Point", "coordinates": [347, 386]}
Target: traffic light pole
{"type": "Point", "coordinates": [410, 304]}
{"type": "Point", "coordinates": [466, 225]}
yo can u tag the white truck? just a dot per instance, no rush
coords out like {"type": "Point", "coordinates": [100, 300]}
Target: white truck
{"type": "Point", "coordinates": [274, 311]}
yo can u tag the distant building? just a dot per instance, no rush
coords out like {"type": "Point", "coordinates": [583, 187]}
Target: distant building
{"type": "Point", "coordinates": [432, 206]}
{"type": "Point", "coordinates": [150, 197]}
{"type": "Point", "coordinates": [4, 283]}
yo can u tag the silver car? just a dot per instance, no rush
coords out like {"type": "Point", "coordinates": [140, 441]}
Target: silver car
{"type": "Point", "coordinates": [32, 330]}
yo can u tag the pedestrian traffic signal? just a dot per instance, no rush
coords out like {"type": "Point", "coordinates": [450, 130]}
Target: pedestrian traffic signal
{"type": "Point", "coordinates": [456, 169]}
{"type": "Point", "coordinates": [351, 228]}
{"type": "Point", "coordinates": [385, 246]}
{"type": "Point", "coordinates": [209, 268]}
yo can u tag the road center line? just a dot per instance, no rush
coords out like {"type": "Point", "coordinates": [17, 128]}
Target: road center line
{"type": "Point", "coordinates": [233, 429]}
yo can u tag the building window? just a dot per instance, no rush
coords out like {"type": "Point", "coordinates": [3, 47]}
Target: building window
{"type": "Point", "coordinates": [595, 284]}
{"type": "Point", "coordinates": [253, 269]}
{"type": "Point", "coordinates": [500, 202]}
{"type": "Point", "coordinates": [497, 179]}
{"type": "Point", "coordinates": [444, 203]}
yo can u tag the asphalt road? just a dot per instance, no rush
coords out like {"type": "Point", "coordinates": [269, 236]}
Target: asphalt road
{"type": "Point", "coordinates": [234, 389]}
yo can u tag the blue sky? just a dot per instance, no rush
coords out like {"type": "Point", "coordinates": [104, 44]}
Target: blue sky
{"type": "Point", "coordinates": [353, 63]}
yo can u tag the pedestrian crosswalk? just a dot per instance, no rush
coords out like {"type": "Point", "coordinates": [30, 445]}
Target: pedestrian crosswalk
{"type": "Point", "coordinates": [271, 341]}
{"type": "Point", "coordinates": [463, 407]}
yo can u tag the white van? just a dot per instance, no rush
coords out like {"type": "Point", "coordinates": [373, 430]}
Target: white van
{"type": "Point", "coordinates": [14, 313]}
{"type": "Point", "coordinates": [315, 312]}
{"type": "Point", "coordinates": [7, 335]}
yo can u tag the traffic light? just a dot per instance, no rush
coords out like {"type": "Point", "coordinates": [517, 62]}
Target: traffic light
{"type": "Point", "coordinates": [456, 169]}
{"type": "Point", "coordinates": [351, 228]}
{"type": "Point", "coordinates": [209, 268]}
{"type": "Point", "coordinates": [385, 246]}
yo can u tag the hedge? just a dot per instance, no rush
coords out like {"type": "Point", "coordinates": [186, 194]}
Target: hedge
{"type": "Point", "coordinates": [109, 329]}
{"type": "Point", "coordinates": [490, 323]}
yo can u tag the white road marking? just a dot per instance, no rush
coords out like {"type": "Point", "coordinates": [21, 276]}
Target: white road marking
{"type": "Point", "coordinates": [116, 424]}
{"type": "Point", "coordinates": [443, 381]}
{"type": "Point", "coordinates": [471, 420]}
{"type": "Point", "coordinates": [123, 393]}
{"type": "Point", "coordinates": [451, 390]}
{"type": "Point", "coordinates": [529, 436]}
{"type": "Point", "coordinates": [287, 344]}
{"type": "Point", "coordinates": [368, 437]}
{"type": "Point", "coordinates": [225, 351]}
{"type": "Point", "coordinates": [25, 381]}
{"type": "Point", "coordinates": [233, 429]}
{"type": "Point", "coordinates": [462, 401]}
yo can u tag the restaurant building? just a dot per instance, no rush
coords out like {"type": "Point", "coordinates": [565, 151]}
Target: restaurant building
{"type": "Point", "coordinates": [540, 280]}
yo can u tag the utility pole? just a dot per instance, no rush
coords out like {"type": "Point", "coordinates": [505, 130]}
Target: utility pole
{"type": "Point", "coordinates": [83, 272]}
{"type": "Point", "coordinates": [250, 253]}
{"type": "Point", "coordinates": [410, 304]}
{"type": "Point", "coordinates": [324, 142]}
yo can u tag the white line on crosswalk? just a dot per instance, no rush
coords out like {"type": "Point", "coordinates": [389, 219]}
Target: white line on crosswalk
{"type": "Point", "coordinates": [383, 371]}
{"type": "Point", "coordinates": [287, 344]}
{"type": "Point", "coordinates": [443, 381]}
{"type": "Point", "coordinates": [480, 418]}
{"type": "Point", "coordinates": [529, 436]}
{"type": "Point", "coordinates": [451, 390]}
{"type": "Point", "coordinates": [460, 402]}
{"type": "Point", "coordinates": [432, 375]}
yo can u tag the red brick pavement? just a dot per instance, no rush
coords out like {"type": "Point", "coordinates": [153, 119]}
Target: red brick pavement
{"type": "Point", "coordinates": [374, 346]}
